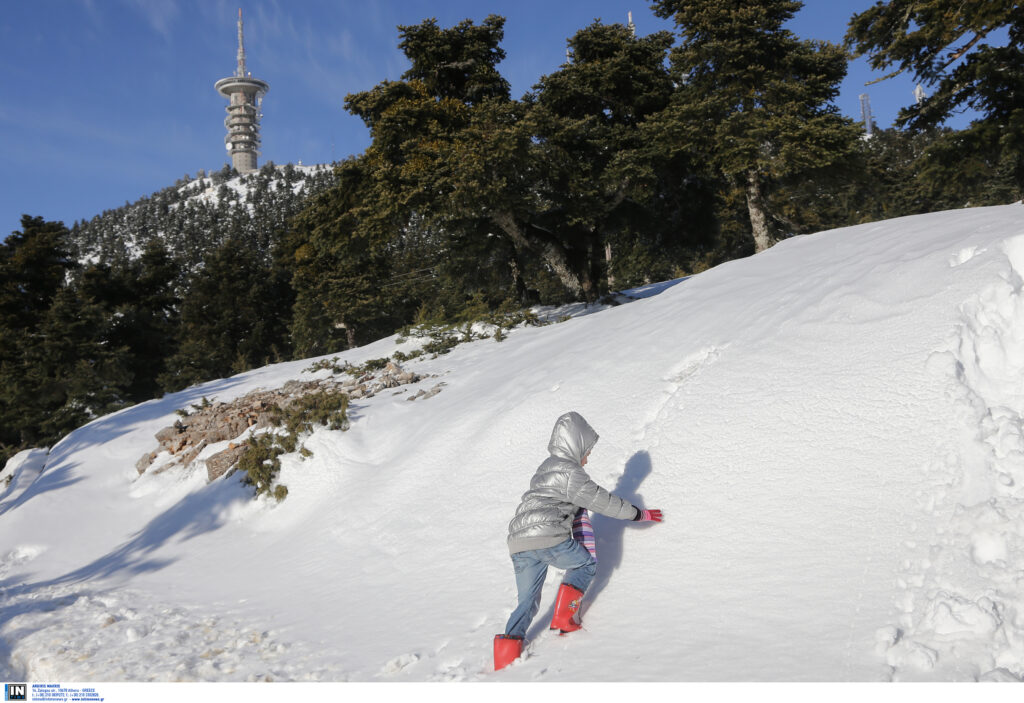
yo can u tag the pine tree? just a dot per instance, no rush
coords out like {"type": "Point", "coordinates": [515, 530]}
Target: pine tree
{"type": "Point", "coordinates": [72, 373]}
{"type": "Point", "coordinates": [457, 156]}
{"type": "Point", "coordinates": [57, 366]}
{"type": "Point", "coordinates": [753, 99]}
{"type": "Point", "coordinates": [605, 182]}
{"type": "Point", "coordinates": [140, 307]}
{"type": "Point", "coordinates": [533, 188]}
{"type": "Point", "coordinates": [234, 317]}
{"type": "Point", "coordinates": [942, 43]}
{"type": "Point", "coordinates": [33, 267]}
{"type": "Point", "coordinates": [34, 264]}
{"type": "Point", "coordinates": [459, 63]}
{"type": "Point", "coordinates": [339, 252]}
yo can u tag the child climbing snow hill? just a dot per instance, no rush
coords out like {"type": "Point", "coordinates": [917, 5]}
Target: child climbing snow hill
{"type": "Point", "coordinates": [540, 534]}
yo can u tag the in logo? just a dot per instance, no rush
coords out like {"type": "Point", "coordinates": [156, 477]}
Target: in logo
{"type": "Point", "coordinates": [15, 692]}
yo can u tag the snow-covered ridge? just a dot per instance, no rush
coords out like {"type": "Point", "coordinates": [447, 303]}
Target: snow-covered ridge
{"type": "Point", "coordinates": [194, 217]}
{"type": "Point", "coordinates": [833, 429]}
{"type": "Point", "coordinates": [205, 189]}
{"type": "Point", "coordinates": [963, 597]}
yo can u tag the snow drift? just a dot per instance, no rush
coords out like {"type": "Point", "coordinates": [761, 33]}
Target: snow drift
{"type": "Point", "coordinates": [833, 429]}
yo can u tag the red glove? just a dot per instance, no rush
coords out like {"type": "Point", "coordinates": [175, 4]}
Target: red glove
{"type": "Point", "coordinates": [647, 516]}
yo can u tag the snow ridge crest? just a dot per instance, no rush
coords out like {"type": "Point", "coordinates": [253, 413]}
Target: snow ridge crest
{"type": "Point", "coordinates": [963, 616]}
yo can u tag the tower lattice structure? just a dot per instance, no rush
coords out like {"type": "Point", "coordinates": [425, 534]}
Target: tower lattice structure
{"type": "Point", "coordinates": [245, 99]}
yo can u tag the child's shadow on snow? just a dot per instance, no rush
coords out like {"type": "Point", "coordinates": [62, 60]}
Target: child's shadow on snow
{"type": "Point", "coordinates": [609, 533]}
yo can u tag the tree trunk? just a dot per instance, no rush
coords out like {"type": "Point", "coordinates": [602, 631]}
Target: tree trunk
{"type": "Point", "coordinates": [350, 333]}
{"type": "Point", "coordinates": [588, 284]}
{"type": "Point", "coordinates": [590, 274]}
{"type": "Point", "coordinates": [518, 284]}
{"type": "Point", "coordinates": [758, 214]}
{"type": "Point", "coordinates": [553, 253]}
{"type": "Point", "coordinates": [608, 262]}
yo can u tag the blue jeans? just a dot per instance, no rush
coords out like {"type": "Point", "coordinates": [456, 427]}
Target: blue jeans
{"type": "Point", "coordinates": [532, 566]}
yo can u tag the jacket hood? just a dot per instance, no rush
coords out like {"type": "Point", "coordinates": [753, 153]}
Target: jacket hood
{"type": "Point", "coordinates": [572, 438]}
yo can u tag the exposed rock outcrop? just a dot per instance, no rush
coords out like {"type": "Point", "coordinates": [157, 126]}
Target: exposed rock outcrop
{"type": "Point", "coordinates": [216, 422]}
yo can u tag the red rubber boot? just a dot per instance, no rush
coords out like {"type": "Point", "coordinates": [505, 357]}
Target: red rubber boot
{"type": "Point", "coordinates": [567, 609]}
{"type": "Point", "coordinates": [507, 648]}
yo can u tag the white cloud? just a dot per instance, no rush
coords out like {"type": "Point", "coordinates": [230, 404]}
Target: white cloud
{"type": "Point", "coordinates": [159, 14]}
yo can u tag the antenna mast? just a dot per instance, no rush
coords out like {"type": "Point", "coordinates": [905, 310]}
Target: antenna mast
{"type": "Point", "coordinates": [240, 72]}
{"type": "Point", "coordinates": [865, 113]}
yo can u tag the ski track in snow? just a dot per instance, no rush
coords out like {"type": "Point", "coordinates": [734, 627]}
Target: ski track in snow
{"type": "Point", "coordinates": [963, 586]}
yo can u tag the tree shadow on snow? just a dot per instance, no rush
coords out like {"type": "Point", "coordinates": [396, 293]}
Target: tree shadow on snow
{"type": "Point", "coordinates": [53, 480]}
{"type": "Point", "coordinates": [196, 514]}
{"type": "Point", "coordinates": [609, 534]}
{"type": "Point", "coordinates": [61, 471]}
{"type": "Point", "coordinates": [200, 512]}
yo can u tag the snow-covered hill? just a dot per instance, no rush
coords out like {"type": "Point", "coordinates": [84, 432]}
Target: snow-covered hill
{"type": "Point", "coordinates": [194, 217]}
{"type": "Point", "coordinates": [833, 429]}
{"type": "Point", "coordinates": [205, 188]}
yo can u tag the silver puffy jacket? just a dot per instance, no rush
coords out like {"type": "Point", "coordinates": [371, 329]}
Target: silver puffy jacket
{"type": "Point", "coordinates": [559, 488]}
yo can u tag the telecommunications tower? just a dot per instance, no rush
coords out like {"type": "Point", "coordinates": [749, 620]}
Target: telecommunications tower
{"type": "Point", "coordinates": [919, 94]}
{"type": "Point", "coordinates": [245, 97]}
{"type": "Point", "coordinates": [865, 114]}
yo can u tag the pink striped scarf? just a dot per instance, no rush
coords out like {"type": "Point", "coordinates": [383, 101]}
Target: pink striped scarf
{"type": "Point", "coordinates": [583, 531]}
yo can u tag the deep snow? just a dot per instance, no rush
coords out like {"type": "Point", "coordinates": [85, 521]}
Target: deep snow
{"type": "Point", "coordinates": [833, 429]}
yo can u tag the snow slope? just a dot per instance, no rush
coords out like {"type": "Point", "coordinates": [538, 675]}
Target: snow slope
{"type": "Point", "coordinates": [833, 429]}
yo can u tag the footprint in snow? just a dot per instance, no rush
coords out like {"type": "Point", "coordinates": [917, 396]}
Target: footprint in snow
{"type": "Point", "coordinates": [676, 377]}
{"type": "Point", "coordinates": [399, 663]}
{"type": "Point", "coordinates": [964, 255]}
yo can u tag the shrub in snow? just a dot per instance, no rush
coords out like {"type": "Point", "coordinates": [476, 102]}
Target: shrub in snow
{"type": "Point", "coordinates": [261, 459]}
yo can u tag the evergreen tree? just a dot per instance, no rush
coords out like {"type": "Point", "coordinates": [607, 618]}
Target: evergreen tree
{"type": "Point", "coordinates": [964, 168]}
{"type": "Point", "coordinates": [457, 162]}
{"type": "Point", "coordinates": [81, 340]}
{"type": "Point", "coordinates": [531, 188]}
{"type": "Point", "coordinates": [194, 218]}
{"type": "Point", "coordinates": [234, 317]}
{"type": "Point", "coordinates": [34, 265]}
{"type": "Point", "coordinates": [72, 374]}
{"type": "Point", "coordinates": [57, 366]}
{"type": "Point", "coordinates": [140, 305]}
{"type": "Point", "coordinates": [753, 99]}
{"type": "Point", "coordinates": [942, 43]}
{"type": "Point", "coordinates": [605, 183]}
{"type": "Point", "coordinates": [339, 252]}
{"type": "Point", "coordinates": [459, 63]}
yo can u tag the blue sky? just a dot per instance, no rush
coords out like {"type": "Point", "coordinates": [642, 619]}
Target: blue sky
{"type": "Point", "coordinates": [105, 101]}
